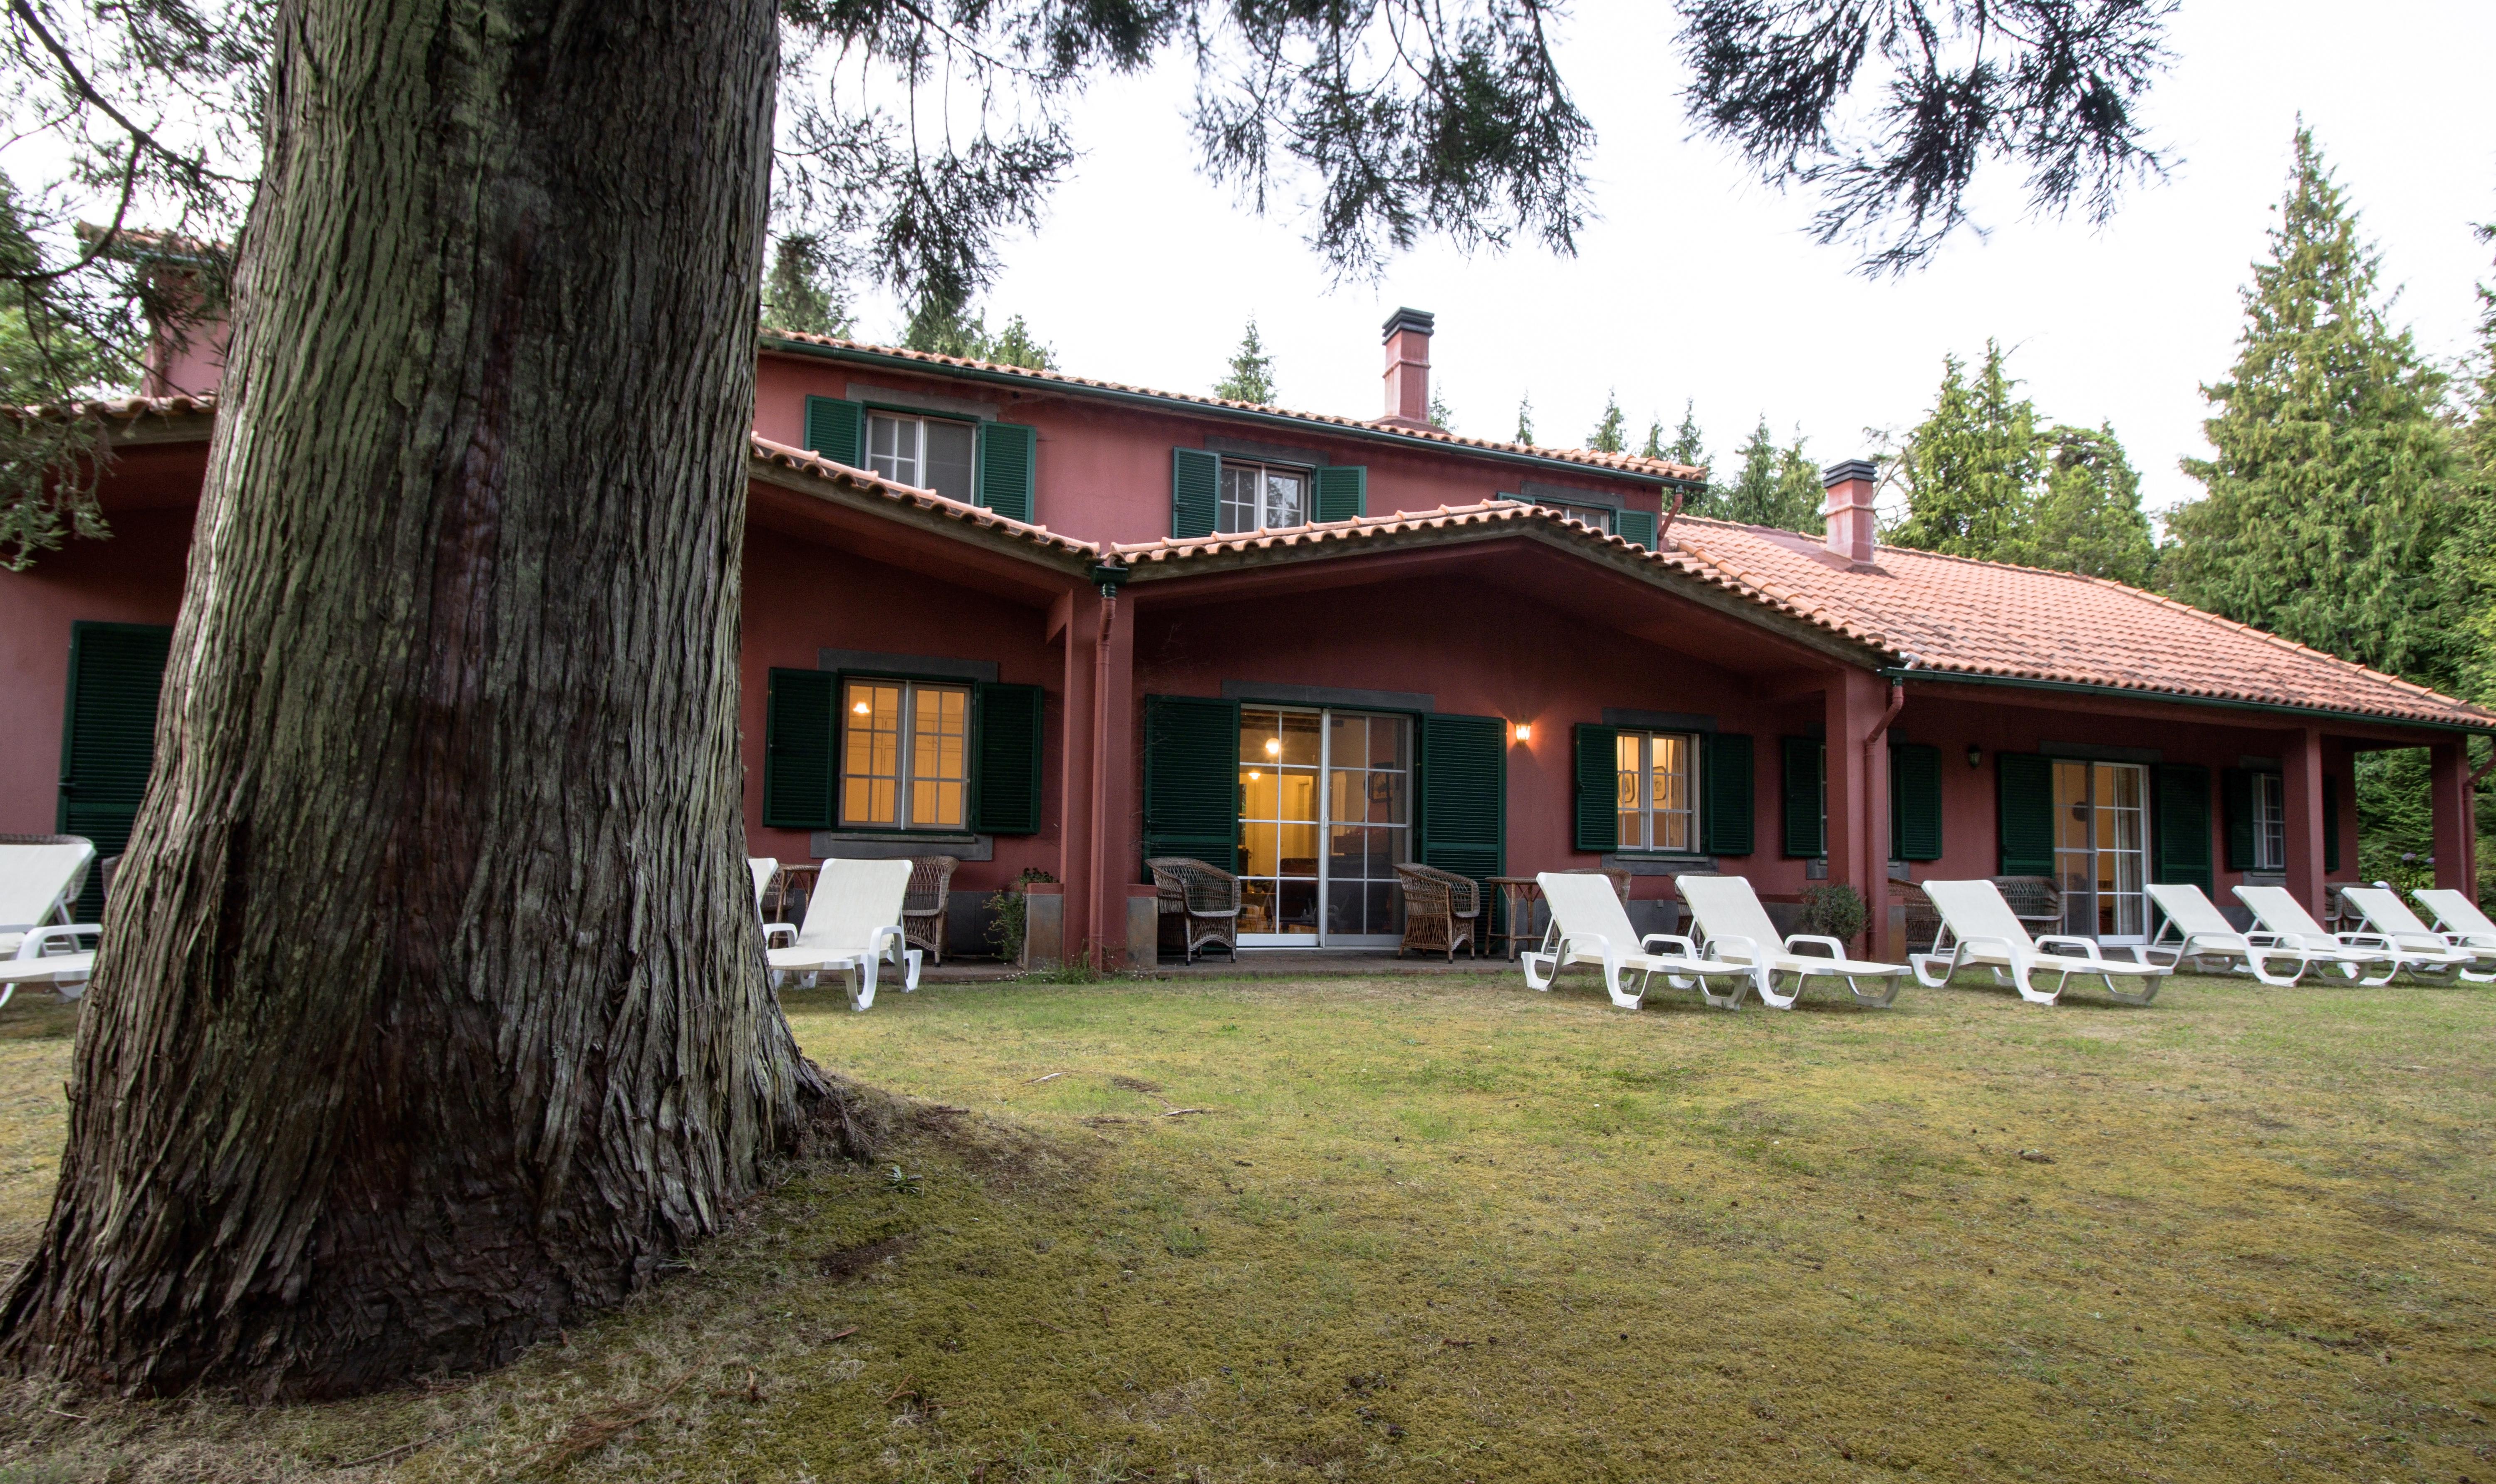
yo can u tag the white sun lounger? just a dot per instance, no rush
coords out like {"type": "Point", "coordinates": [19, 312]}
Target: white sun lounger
{"type": "Point", "coordinates": [2285, 918]}
{"type": "Point", "coordinates": [764, 868]}
{"type": "Point", "coordinates": [1589, 927]}
{"type": "Point", "coordinates": [1985, 933]}
{"type": "Point", "coordinates": [2390, 917]}
{"type": "Point", "coordinates": [39, 878]}
{"type": "Point", "coordinates": [853, 923]}
{"type": "Point", "coordinates": [1735, 928]}
{"type": "Point", "coordinates": [2203, 932]}
{"type": "Point", "coordinates": [2457, 917]}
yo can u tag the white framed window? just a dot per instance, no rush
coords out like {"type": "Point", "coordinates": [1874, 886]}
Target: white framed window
{"type": "Point", "coordinates": [1262, 497]}
{"type": "Point", "coordinates": [923, 452]}
{"type": "Point", "coordinates": [1658, 790]}
{"type": "Point", "coordinates": [905, 755]}
{"type": "Point", "coordinates": [1591, 514]}
{"type": "Point", "coordinates": [2270, 822]}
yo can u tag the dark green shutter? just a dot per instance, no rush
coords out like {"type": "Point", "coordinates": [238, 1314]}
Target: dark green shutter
{"type": "Point", "coordinates": [1915, 802]}
{"type": "Point", "coordinates": [799, 737]}
{"type": "Point", "coordinates": [1464, 794]}
{"type": "Point", "coordinates": [1343, 494]}
{"type": "Point", "coordinates": [1806, 802]}
{"type": "Point", "coordinates": [2183, 826]}
{"type": "Point", "coordinates": [1007, 457]}
{"type": "Point", "coordinates": [1636, 527]}
{"type": "Point", "coordinates": [109, 738]}
{"type": "Point", "coordinates": [2330, 824]}
{"type": "Point", "coordinates": [1192, 778]}
{"type": "Point", "coordinates": [1599, 787]}
{"type": "Point", "coordinates": [2024, 806]}
{"type": "Point", "coordinates": [1005, 789]}
{"type": "Point", "coordinates": [2236, 794]}
{"type": "Point", "coordinates": [1196, 484]}
{"type": "Point", "coordinates": [1726, 793]}
{"type": "Point", "coordinates": [837, 430]}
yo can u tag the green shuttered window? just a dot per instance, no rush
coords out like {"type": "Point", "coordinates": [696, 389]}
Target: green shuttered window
{"type": "Point", "coordinates": [1725, 782]}
{"type": "Point", "coordinates": [1009, 461]}
{"type": "Point", "coordinates": [837, 429]}
{"type": "Point", "coordinates": [1196, 495]}
{"type": "Point", "coordinates": [1915, 802]}
{"type": "Point", "coordinates": [2025, 808]}
{"type": "Point", "coordinates": [1598, 789]}
{"type": "Point", "coordinates": [1192, 778]}
{"type": "Point", "coordinates": [1636, 527]}
{"type": "Point", "coordinates": [1806, 797]}
{"type": "Point", "coordinates": [798, 733]}
{"type": "Point", "coordinates": [2182, 822]}
{"type": "Point", "coordinates": [1005, 779]}
{"type": "Point", "coordinates": [1464, 795]}
{"type": "Point", "coordinates": [1342, 493]}
{"type": "Point", "coordinates": [109, 738]}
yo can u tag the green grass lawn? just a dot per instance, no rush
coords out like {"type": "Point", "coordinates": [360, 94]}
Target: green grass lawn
{"type": "Point", "coordinates": [1455, 1229]}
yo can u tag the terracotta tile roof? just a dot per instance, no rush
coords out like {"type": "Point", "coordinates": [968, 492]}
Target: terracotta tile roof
{"type": "Point", "coordinates": [1619, 463]}
{"type": "Point", "coordinates": [126, 409]}
{"type": "Point", "coordinates": [1986, 618]}
{"type": "Point", "coordinates": [816, 466]}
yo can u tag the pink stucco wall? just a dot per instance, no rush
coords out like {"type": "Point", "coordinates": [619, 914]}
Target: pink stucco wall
{"type": "Point", "coordinates": [1105, 469]}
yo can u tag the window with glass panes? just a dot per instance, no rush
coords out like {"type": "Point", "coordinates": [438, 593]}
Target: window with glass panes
{"type": "Point", "coordinates": [1590, 514]}
{"type": "Point", "coordinates": [2270, 822]}
{"type": "Point", "coordinates": [923, 452]}
{"type": "Point", "coordinates": [1257, 497]}
{"type": "Point", "coordinates": [905, 755]}
{"type": "Point", "coordinates": [1658, 775]}
{"type": "Point", "coordinates": [1324, 814]}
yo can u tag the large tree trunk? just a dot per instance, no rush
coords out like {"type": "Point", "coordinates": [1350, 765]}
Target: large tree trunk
{"type": "Point", "coordinates": [431, 1007]}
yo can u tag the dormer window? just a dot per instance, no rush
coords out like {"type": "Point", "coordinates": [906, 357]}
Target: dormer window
{"type": "Point", "coordinates": [925, 453]}
{"type": "Point", "coordinates": [1259, 497]}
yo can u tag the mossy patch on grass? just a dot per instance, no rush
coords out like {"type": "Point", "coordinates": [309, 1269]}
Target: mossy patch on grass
{"type": "Point", "coordinates": [1452, 1229]}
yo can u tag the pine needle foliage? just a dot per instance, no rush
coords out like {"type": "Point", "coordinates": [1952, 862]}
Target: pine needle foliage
{"type": "Point", "coordinates": [1251, 378]}
{"type": "Point", "coordinates": [1776, 488]}
{"type": "Point", "coordinates": [1971, 464]}
{"type": "Point", "coordinates": [1609, 436]}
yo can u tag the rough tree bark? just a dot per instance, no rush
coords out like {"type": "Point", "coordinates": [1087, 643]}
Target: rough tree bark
{"type": "Point", "coordinates": [431, 1006]}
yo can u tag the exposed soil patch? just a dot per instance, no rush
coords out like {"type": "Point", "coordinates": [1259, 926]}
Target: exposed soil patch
{"type": "Point", "coordinates": [847, 1263]}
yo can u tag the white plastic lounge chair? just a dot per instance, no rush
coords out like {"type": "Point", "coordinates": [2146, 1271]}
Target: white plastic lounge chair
{"type": "Point", "coordinates": [852, 922]}
{"type": "Point", "coordinates": [2203, 932]}
{"type": "Point", "coordinates": [1734, 927]}
{"type": "Point", "coordinates": [1589, 927]}
{"type": "Point", "coordinates": [2387, 916]}
{"type": "Point", "coordinates": [2457, 917]}
{"type": "Point", "coordinates": [764, 868]}
{"type": "Point", "coordinates": [1984, 931]}
{"type": "Point", "coordinates": [39, 877]}
{"type": "Point", "coordinates": [2285, 918]}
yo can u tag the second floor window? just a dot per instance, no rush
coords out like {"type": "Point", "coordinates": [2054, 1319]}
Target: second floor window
{"type": "Point", "coordinates": [905, 755]}
{"type": "Point", "coordinates": [1658, 809]}
{"type": "Point", "coordinates": [1594, 515]}
{"type": "Point", "coordinates": [923, 452]}
{"type": "Point", "coordinates": [2270, 822]}
{"type": "Point", "coordinates": [1259, 497]}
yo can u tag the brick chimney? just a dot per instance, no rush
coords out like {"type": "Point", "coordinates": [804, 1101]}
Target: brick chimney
{"type": "Point", "coordinates": [1408, 369]}
{"type": "Point", "coordinates": [1848, 512]}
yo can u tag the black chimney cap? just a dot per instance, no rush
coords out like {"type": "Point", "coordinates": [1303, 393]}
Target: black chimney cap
{"type": "Point", "coordinates": [1851, 469]}
{"type": "Point", "coordinates": [1407, 319]}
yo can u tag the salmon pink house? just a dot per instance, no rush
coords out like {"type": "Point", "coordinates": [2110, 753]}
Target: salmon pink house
{"type": "Point", "coordinates": [1045, 623]}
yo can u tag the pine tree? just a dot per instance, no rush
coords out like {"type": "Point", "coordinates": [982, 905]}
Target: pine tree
{"type": "Point", "coordinates": [1799, 493]}
{"type": "Point", "coordinates": [2323, 516]}
{"type": "Point", "coordinates": [1688, 445]}
{"type": "Point", "coordinates": [2088, 517]}
{"type": "Point", "coordinates": [1606, 437]}
{"type": "Point", "coordinates": [1971, 465]}
{"type": "Point", "coordinates": [1252, 371]}
{"type": "Point", "coordinates": [1442, 415]}
{"type": "Point", "coordinates": [944, 327]}
{"type": "Point", "coordinates": [802, 291]}
{"type": "Point", "coordinates": [1776, 488]}
{"type": "Point", "coordinates": [1525, 419]}
{"type": "Point", "coordinates": [1653, 448]}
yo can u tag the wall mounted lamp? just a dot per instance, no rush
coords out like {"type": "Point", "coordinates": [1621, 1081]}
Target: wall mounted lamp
{"type": "Point", "coordinates": [1523, 731]}
{"type": "Point", "coordinates": [1975, 755]}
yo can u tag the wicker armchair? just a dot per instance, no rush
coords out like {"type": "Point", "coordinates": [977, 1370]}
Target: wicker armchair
{"type": "Point", "coordinates": [2035, 900]}
{"type": "Point", "coordinates": [922, 910]}
{"type": "Point", "coordinates": [1442, 910]}
{"type": "Point", "coordinates": [1202, 899]}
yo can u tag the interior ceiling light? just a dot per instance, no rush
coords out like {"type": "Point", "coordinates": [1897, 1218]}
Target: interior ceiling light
{"type": "Point", "coordinates": [1273, 747]}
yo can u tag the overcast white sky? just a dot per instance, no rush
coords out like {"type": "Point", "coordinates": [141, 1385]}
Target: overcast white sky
{"type": "Point", "coordinates": [1696, 283]}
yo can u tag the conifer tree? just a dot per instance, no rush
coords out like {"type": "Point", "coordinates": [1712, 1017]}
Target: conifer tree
{"type": "Point", "coordinates": [1525, 418]}
{"type": "Point", "coordinates": [1653, 448]}
{"type": "Point", "coordinates": [1688, 447]}
{"type": "Point", "coordinates": [1252, 371]}
{"type": "Point", "coordinates": [1971, 465]}
{"type": "Point", "coordinates": [944, 326]}
{"type": "Point", "coordinates": [2323, 517]}
{"type": "Point", "coordinates": [1776, 487]}
{"type": "Point", "coordinates": [802, 291]}
{"type": "Point", "coordinates": [1799, 492]}
{"type": "Point", "coordinates": [1442, 415]}
{"type": "Point", "coordinates": [2088, 517]}
{"type": "Point", "coordinates": [1606, 437]}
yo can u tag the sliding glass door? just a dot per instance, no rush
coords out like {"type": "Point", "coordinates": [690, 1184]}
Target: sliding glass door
{"type": "Point", "coordinates": [2102, 848]}
{"type": "Point", "coordinates": [1325, 814]}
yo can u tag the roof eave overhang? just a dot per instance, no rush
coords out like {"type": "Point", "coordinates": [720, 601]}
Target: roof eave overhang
{"type": "Point", "coordinates": [954, 524]}
{"type": "Point", "coordinates": [1921, 674]}
{"type": "Point", "coordinates": [1611, 556]}
{"type": "Point", "coordinates": [1182, 407]}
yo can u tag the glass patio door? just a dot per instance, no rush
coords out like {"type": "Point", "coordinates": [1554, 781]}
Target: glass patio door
{"type": "Point", "coordinates": [1325, 814]}
{"type": "Point", "coordinates": [2102, 848]}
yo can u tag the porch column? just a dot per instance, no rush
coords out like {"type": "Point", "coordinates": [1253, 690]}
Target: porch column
{"type": "Point", "coordinates": [2301, 781]}
{"type": "Point", "coordinates": [1080, 621]}
{"type": "Point", "coordinates": [1098, 838]}
{"type": "Point", "coordinates": [1856, 704]}
{"type": "Point", "coordinates": [2449, 794]}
